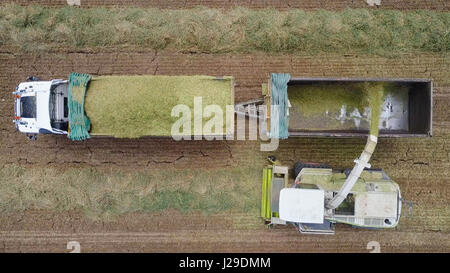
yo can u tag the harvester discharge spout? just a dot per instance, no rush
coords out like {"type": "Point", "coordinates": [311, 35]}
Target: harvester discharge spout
{"type": "Point", "coordinates": [361, 163]}
{"type": "Point", "coordinates": [375, 95]}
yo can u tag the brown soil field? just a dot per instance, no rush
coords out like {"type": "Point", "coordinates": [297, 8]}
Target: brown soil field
{"type": "Point", "coordinates": [278, 4]}
{"type": "Point", "coordinates": [37, 231]}
{"type": "Point", "coordinates": [420, 165]}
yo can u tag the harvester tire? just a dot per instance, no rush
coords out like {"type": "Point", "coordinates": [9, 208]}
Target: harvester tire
{"type": "Point", "coordinates": [300, 165]}
{"type": "Point", "coordinates": [33, 79]}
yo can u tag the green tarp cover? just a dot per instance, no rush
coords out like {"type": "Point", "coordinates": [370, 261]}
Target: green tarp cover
{"type": "Point", "coordinates": [279, 108]}
{"type": "Point", "coordinates": [78, 121]}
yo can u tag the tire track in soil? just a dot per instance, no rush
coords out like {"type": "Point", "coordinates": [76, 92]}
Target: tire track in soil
{"type": "Point", "coordinates": [175, 232]}
{"type": "Point", "coordinates": [224, 241]}
{"type": "Point", "coordinates": [250, 72]}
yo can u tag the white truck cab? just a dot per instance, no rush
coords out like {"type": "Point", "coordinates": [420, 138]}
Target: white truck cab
{"type": "Point", "coordinates": [40, 107]}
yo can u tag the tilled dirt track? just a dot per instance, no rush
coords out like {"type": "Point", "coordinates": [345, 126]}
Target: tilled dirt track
{"type": "Point", "coordinates": [250, 72]}
{"type": "Point", "coordinates": [278, 4]}
{"type": "Point", "coordinates": [421, 166]}
{"type": "Point", "coordinates": [43, 231]}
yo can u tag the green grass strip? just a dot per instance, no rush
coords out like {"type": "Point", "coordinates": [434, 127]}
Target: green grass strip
{"type": "Point", "coordinates": [205, 30]}
{"type": "Point", "coordinates": [110, 193]}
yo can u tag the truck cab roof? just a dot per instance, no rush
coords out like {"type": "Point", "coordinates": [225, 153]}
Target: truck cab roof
{"type": "Point", "coordinates": [31, 107]}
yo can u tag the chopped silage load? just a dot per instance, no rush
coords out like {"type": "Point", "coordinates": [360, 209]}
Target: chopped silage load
{"type": "Point", "coordinates": [340, 106]}
{"type": "Point", "coordinates": [374, 92]}
{"type": "Point", "coordinates": [135, 106]}
{"type": "Point", "coordinates": [319, 98]}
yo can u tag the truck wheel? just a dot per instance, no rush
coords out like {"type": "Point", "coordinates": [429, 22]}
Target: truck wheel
{"type": "Point", "coordinates": [33, 79]}
{"type": "Point", "coordinates": [300, 165]}
{"type": "Point", "coordinates": [32, 137]}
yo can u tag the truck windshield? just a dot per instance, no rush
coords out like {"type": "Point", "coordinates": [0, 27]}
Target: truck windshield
{"type": "Point", "coordinates": [28, 107]}
{"type": "Point", "coordinates": [59, 111]}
